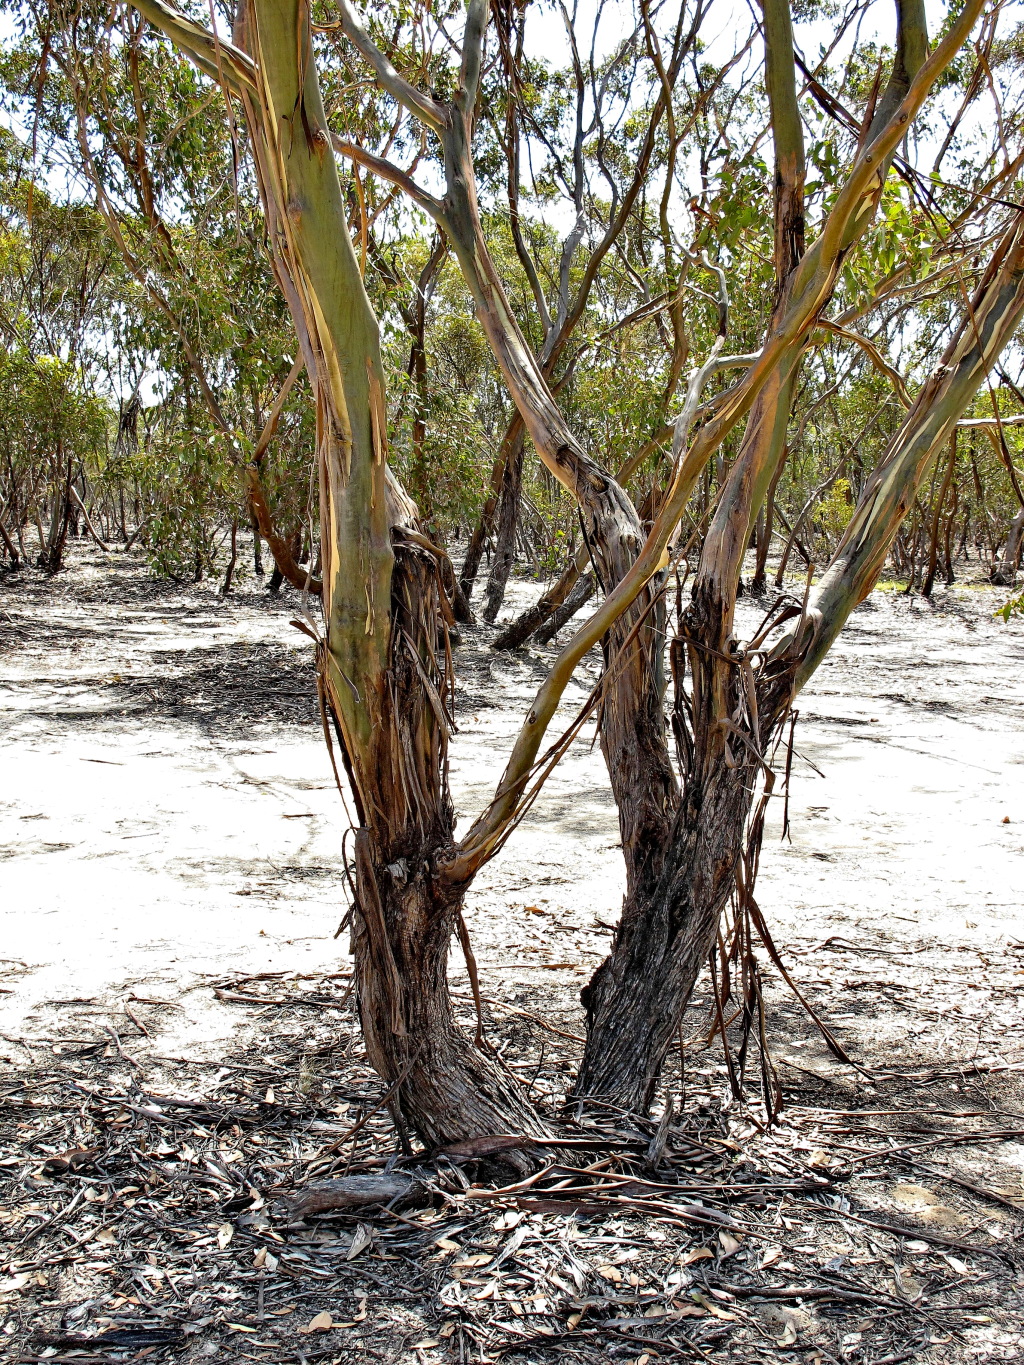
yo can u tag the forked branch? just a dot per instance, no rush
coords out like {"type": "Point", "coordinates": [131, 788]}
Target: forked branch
{"type": "Point", "coordinates": [812, 284]}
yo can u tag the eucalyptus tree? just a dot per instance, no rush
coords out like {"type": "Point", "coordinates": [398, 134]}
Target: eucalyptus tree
{"type": "Point", "coordinates": [384, 662]}
{"type": "Point", "coordinates": [130, 126]}
{"type": "Point", "coordinates": [58, 281]}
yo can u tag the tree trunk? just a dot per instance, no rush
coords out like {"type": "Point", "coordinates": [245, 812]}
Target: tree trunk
{"type": "Point", "coordinates": [579, 597]}
{"type": "Point", "coordinates": [485, 525]}
{"type": "Point", "coordinates": [52, 558]}
{"type": "Point", "coordinates": [448, 1087]}
{"type": "Point", "coordinates": [1006, 574]}
{"type": "Point", "coordinates": [232, 560]}
{"type": "Point", "coordinates": [284, 549]}
{"type": "Point", "coordinates": [383, 666]}
{"type": "Point", "coordinates": [636, 998]}
{"type": "Point", "coordinates": [936, 526]}
{"type": "Point", "coordinates": [675, 895]}
{"type": "Point", "coordinates": [12, 549]}
{"type": "Point", "coordinates": [765, 530]}
{"type": "Point", "coordinates": [384, 663]}
{"type": "Point", "coordinates": [947, 548]}
{"type": "Point", "coordinates": [508, 529]}
{"type": "Point", "coordinates": [407, 910]}
{"type": "Point", "coordinates": [257, 549]}
{"type": "Point", "coordinates": [517, 632]}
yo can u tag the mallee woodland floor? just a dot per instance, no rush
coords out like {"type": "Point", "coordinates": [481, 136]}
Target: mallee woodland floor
{"type": "Point", "coordinates": [180, 1057]}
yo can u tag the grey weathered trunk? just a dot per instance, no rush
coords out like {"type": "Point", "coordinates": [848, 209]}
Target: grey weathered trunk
{"type": "Point", "coordinates": [578, 598]}
{"type": "Point", "coordinates": [636, 998]}
{"type": "Point", "coordinates": [1006, 572]}
{"type": "Point", "coordinates": [507, 531]}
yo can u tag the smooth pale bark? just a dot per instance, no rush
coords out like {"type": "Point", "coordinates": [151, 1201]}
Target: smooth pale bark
{"type": "Point", "coordinates": [1006, 573]}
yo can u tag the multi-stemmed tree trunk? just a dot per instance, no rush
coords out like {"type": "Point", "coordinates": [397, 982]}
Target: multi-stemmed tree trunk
{"type": "Point", "coordinates": [681, 848]}
{"type": "Point", "coordinates": [670, 917]}
{"type": "Point", "coordinates": [384, 661]}
{"type": "Point", "coordinates": [741, 693]}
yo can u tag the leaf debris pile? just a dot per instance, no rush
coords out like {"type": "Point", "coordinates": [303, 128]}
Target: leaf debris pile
{"type": "Point", "coordinates": [153, 1209]}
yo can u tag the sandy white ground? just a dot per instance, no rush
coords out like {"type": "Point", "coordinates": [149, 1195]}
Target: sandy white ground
{"type": "Point", "coordinates": [169, 818]}
{"type": "Point", "coordinates": [151, 839]}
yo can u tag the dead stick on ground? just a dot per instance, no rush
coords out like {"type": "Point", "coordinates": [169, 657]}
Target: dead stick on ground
{"type": "Point", "coordinates": [964, 1185]}
{"type": "Point", "coordinates": [381, 1103]}
{"type": "Point", "coordinates": [947, 1139]}
{"type": "Point", "coordinates": [525, 1014]}
{"type": "Point", "coordinates": [49, 1222]}
{"type": "Point", "coordinates": [921, 1233]}
{"type": "Point", "coordinates": [136, 1020]}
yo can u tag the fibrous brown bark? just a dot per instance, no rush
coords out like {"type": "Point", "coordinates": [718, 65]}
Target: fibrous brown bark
{"type": "Point", "coordinates": [448, 1086]}
{"type": "Point", "coordinates": [671, 911]}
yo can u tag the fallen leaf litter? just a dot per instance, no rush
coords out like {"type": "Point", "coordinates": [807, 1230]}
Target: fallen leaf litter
{"type": "Point", "coordinates": [154, 1209]}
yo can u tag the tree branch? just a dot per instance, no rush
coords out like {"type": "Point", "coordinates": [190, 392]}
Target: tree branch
{"type": "Point", "coordinates": [813, 280]}
{"type": "Point", "coordinates": [477, 13]}
{"type": "Point", "coordinates": [421, 106]}
{"type": "Point", "coordinates": [874, 355]}
{"type": "Point", "coordinates": [215, 56]}
{"type": "Point", "coordinates": [988, 326]}
{"type": "Point", "coordinates": [387, 170]}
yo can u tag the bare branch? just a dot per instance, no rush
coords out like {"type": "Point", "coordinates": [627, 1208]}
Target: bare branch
{"type": "Point", "coordinates": [874, 355]}
{"type": "Point", "coordinates": [421, 106]}
{"type": "Point", "coordinates": [475, 31]}
{"type": "Point", "coordinates": [215, 56]}
{"type": "Point", "coordinates": [387, 170]}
